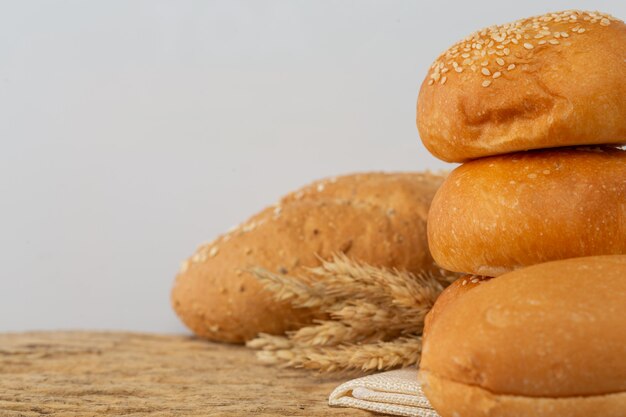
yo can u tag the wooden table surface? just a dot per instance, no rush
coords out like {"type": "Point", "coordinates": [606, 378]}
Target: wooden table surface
{"type": "Point", "coordinates": [109, 373]}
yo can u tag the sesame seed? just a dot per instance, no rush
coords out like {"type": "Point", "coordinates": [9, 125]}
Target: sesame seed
{"type": "Point", "coordinates": [495, 41]}
{"type": "Point", "coordinates": [213, 251]}
{"type": "Point", "coordinates": [486, 83]}
{"type": "Point", "coordinates": [496, 74]}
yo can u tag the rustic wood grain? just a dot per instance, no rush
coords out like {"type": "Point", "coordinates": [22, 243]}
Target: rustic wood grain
{"type": "Point", "coordinates": [105, 374]}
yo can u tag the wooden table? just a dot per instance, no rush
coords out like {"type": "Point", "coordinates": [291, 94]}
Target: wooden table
{"type": "Point", "coordinates": [108, 373]}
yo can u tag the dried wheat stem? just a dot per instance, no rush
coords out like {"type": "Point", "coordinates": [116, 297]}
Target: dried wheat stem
{"type": "Point", "coordinates": [376, 316]}
{"type": "Point", "coordinates": [266, 341]}
{"type": "Point", "coordinates": [379, 356]}
{"type": "Point", "coordinates": [295, 290]}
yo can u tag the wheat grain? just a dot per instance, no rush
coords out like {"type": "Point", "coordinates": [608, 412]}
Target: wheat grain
{"type": "Point", "coordinates": [376, 316]}
{"type": "Point", "coordinates": [401, 352]}
{"type": "Point", "coordinates": [296, 290]}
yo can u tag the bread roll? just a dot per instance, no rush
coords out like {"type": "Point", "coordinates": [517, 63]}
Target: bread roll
{"type": "Point", "coordinates": [376, 218]}
{"type": "Point", "coordinates": [451, 294]}
{"type": "Point", "coordinates": [543, 82]}
{"type": "Point", "coordinates": [548, 340]}
{"type": "Point", "coordinates": [501, 213]}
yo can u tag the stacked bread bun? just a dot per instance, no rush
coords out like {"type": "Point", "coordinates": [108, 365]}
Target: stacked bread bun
{"type": "Point", "coordinates": [544, 341]}
{"type": "Point", "coordinates": [542, 83]}
{"type": "Point", "coordinates": [536, 111]}
{"type": "Point", "coordinates": [375, 218]}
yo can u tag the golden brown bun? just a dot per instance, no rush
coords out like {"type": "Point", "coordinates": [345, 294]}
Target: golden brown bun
{"type": "Point", "coordinates": [496, 214]}
{"type": "Point", "coordinates": [542, 341]}
{"type": "Point", "coordinates": [542, 82]}
{"type": "Point", "coordinates": [462, 400]}
{"type": "Point", "coordinates": [376, 218]}
{"type": "Point", "coordinates": [450, 295]}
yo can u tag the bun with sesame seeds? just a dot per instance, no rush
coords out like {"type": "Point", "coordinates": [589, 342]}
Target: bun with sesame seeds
{"type": "Point", "coordinates": [376, 218]}
{"type": "Point", "coordinates": [501, 213]}
{"type": "Point", "coordinates": [548, 340]}
{"type": "Point", "coordinates": [543, 82]}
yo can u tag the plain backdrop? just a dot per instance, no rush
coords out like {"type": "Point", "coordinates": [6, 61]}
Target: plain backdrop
{"type": "Point", "coordinates": [132, 131]}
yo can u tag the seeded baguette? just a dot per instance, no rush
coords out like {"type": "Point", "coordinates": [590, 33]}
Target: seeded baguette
{"type": "Point", "coordinates": [376, 218]}
{"type": "Point", "coordinates": [542, 82]}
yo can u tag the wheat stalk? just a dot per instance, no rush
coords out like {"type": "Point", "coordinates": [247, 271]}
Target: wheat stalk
{"type": "Point", "coordinates": [400, 352]}
{"type": "Point", "coordinates": [376, 316]}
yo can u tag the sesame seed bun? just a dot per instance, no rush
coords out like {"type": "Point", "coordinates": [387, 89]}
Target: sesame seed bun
{"type": "Point", "coordinates": [501, 213]}
{"type": "Point", "coordinates": [543, 82]}
{"type": "Point", "coordinates": [375, 218]}
{"type": "Point", "coordinates": [548, 340]}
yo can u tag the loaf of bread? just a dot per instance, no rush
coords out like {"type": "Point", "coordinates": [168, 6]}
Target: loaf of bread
{"type": "Point", "coordinates": [497, 214]}
{"type": "Point", "coordinates": [376, 218]}
{"type": "Point", "coordinates": [548, 340]}
{"type": "Point", "coordinates": [542, 82]}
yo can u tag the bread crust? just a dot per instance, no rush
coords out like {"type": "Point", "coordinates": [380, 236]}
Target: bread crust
{"type": "Point", "coordinates": [558, 87]}
{"type": "Point", "coordinates": [452, 293]}
{"type": "Point", "coordinates": [552, 331]}
{"type": "Point", "coordinates": [376, 218]}
{"type": "Point", "coordinates": [497, 214]}
{"type": "Point", "coordinates": [454, 399]}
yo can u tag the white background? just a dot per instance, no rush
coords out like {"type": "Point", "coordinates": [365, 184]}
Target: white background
{"type": "Point", "coordinates": [131, 131]}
